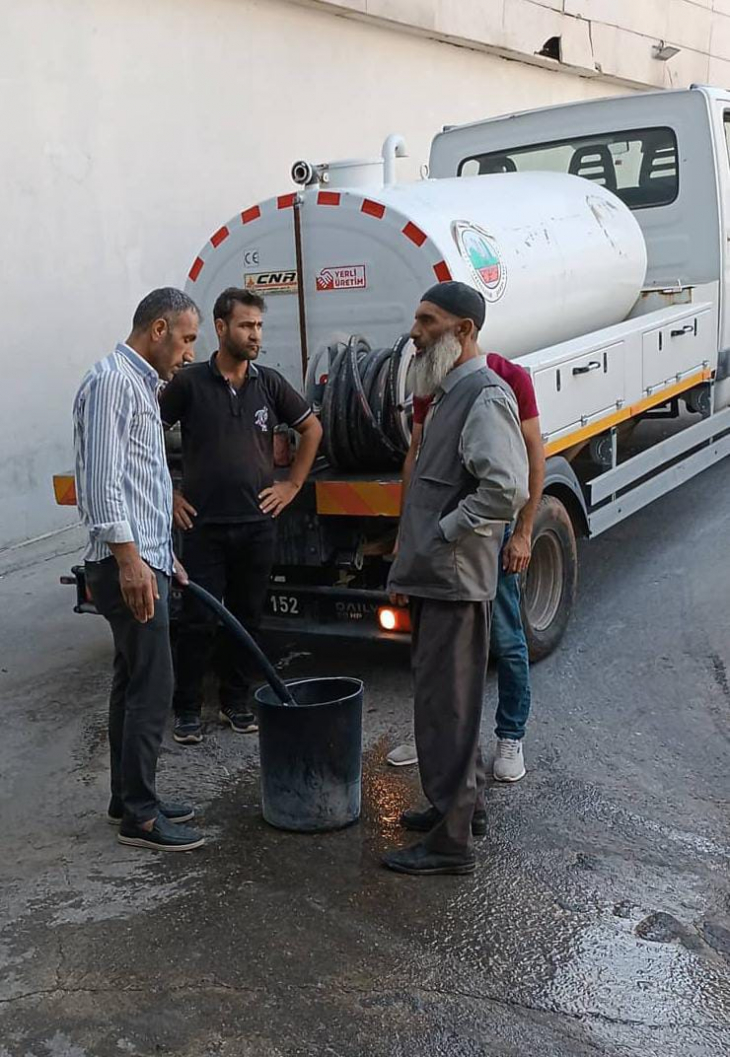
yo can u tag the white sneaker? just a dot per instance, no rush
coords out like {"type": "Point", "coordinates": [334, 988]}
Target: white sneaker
{"type": "Point", "coordinates": [509, 765]}
{"type": "Point", "coordinates": [403, 755]}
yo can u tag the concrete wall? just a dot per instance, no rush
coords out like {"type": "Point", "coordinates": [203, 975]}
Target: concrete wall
{"type": "Point", "coordinates": [132, 130]}
{"type": "Point", "coordinates": [610, 39]}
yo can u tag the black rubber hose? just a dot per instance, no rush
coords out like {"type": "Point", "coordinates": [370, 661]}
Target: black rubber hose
{"type": "Point", "coordinates": [362, 419]}
{"type": "Point", "coordinates": [238, 631]}
{"type": "Point", "coordinates": [397, 423]}
{"type": "Point", "coordinates": [368, 419]}
{"type": "Point", "coordinates": [328, 413]}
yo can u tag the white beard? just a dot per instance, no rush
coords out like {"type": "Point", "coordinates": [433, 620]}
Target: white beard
{"type": "Point", "coordinates": [431, 366]}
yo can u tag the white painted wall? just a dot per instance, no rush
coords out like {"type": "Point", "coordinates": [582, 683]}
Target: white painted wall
{"type": "Point", "coordinates": [131, 130]}
{"type": "Point", "coordinates": [612, 39]}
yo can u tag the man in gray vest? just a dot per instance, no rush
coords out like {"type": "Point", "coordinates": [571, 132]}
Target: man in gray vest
{"type": "Point", "coordinates": [468, 483]}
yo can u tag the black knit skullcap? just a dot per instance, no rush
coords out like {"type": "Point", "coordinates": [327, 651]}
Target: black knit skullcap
{"type": "Point", "coordinates": [460, 300]}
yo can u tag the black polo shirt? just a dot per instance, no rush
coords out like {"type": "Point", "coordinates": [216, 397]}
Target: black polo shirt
{"type": "Point", "coordinates": [228, 436]}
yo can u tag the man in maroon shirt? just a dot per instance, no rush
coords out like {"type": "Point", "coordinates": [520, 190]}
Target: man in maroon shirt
{"type": "Point", "coordinates": [508, 643]}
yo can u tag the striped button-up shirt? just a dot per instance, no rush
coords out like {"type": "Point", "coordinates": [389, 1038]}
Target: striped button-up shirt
{"type": "Point", "coordinates": [123, 485]}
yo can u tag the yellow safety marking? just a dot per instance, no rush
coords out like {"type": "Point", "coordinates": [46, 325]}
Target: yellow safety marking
{"type": "Point", "coordinates": [383, 498]}
{"type": "Point", "coordinates": [602, 424]}
{"type": "Point", "coordinates": [359, 498]}
{"type": "Point", "coordinates": [64, 487]}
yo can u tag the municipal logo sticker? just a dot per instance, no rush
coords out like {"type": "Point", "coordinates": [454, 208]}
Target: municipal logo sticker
{"type": "Point", "coordinates": [261, 419]}
{"type": "Point", "coordinates": [481, 253]}
{"type": "Point", "coordinates": [349, 277]}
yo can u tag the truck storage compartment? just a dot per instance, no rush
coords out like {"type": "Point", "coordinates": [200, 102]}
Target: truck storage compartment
{"type": "Point", "coordinates": [583, 386]}
{"type": "Point", "coordinates": [679, 347]}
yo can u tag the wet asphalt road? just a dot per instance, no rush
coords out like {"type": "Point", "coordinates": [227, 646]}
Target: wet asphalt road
{"type": "Point", "coordinates": [597, 923]}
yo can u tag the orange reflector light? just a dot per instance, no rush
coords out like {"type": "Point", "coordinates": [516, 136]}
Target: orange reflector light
{"type": "Point", "coordinates": [394, 619]}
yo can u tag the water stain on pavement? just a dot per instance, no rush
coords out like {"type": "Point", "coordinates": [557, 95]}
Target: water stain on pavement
{"type": "Point", "coordinates": [597, 922]}
{"type": "Point", "coordinates": [266, 917]}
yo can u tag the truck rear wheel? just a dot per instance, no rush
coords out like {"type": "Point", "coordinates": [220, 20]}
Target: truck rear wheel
{"type": "Point", "coordinates": [550, 584]}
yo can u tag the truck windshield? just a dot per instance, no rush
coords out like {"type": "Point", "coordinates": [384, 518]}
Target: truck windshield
{"type": "Point", "coordinates": [639, 166]}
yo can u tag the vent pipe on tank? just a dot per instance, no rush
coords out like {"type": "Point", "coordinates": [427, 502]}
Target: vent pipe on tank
{"type": "Point", "coordinates": [394, 147]}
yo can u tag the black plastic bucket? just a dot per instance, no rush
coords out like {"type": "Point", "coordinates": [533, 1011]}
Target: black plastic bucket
{"type": "Point", "coordinates": [311, 754]}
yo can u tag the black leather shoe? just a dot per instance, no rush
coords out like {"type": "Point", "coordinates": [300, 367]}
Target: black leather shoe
{"type": "Point", "coordinates": [419, 861]}
{"type": "Point", "coordinates": [176, 813]}
{"type": "Point", "coordinates": [420, 820]}
{"type": "Point", "coordinates": [162, 837]}
{"type": "Point", "coordinates": [424, 820]}
{"type": "Point", "coordinates": [479, 823]}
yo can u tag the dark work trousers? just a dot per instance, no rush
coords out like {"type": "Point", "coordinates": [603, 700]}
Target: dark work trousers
{"type": "Point", "coordinates": [141, 693]}
{"type": "Point", "coordinates": [450, 649]}
{"type": "Point", "coordinates": [234, 563]}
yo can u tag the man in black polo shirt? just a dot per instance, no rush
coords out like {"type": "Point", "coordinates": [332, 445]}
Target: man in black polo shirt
{"type": "Point", "coordinates": [228, 409]}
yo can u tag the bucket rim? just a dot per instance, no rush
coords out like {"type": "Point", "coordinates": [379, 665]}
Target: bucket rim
{"type": "Point", "coordinates": [358, 687]}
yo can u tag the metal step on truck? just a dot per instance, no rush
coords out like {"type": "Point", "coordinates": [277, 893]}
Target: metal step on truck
{"type": "Point", "coordinates": [599, 234]}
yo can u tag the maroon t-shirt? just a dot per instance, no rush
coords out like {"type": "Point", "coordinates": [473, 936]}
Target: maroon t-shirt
{"type": "Point", "coordinates": [516, 377]}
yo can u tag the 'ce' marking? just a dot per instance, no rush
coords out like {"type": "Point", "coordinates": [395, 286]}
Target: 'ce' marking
{"type": "Point", "coordinates": [251, 257]}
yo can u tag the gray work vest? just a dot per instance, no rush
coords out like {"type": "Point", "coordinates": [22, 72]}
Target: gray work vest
{"type": "Point", "coordinates": [426, 565]}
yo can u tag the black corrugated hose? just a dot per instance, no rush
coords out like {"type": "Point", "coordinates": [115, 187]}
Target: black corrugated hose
{"type": "Point", "coordinates": [365, 414]}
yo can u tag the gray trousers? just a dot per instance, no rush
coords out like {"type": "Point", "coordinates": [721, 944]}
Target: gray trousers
{"type": "Point", "coordinates": [141, 693]}
{"type": "Point", "coordinates": [449, 651]}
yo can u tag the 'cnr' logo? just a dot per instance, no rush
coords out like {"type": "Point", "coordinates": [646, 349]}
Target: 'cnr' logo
{"type": "Point", "coordinates": [272, 279]}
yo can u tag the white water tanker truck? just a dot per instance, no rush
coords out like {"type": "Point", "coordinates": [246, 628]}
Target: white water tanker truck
{"type": "Point", "coordinates": [599, 234]}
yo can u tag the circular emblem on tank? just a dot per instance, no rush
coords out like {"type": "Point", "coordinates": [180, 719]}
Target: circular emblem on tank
{"type": "Point", "coordinates": [481, 253]}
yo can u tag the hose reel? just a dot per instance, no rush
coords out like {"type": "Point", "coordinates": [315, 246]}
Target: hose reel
{"type": "Point", "coordinates": [365, 403]}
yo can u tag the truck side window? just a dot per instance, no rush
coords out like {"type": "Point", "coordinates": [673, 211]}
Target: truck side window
{"type": "Point", "coordinates": [640, 166]}
{"type": "Point", "coordinates": [726, 125]}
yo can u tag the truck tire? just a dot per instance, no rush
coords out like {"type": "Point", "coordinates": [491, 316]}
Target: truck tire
{"type": "Point", "coordinates": [549, 587]}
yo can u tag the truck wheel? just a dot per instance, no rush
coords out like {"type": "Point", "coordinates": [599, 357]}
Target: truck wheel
{"type": "Point", "coordinates": [550, 584]}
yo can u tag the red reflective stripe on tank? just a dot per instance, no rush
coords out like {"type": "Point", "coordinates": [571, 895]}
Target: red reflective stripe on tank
{"type": "Point", "coordinates": [285, 201]}
{"type": "Point", "coordinates": [220, 236]}
{"type": "Point", "coordinates": [250, 214]}
{"type": "Point", "coordinates": [414, 234]}
{"type": "Point", "coordinates": [441, 271]}
{"type": "Point", "coordinates": [373, 209]}
{"type": "Point", "coordinates": [328, 198]}
{"type": "Point", "coordinates": [196, 269]}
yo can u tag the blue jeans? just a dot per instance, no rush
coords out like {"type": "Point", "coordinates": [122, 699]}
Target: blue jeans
{"type": "Point", "coordinates": [509, 648]}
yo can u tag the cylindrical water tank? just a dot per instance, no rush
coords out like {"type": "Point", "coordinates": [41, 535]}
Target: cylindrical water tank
{"type": "Point", "coordinates": [555, 256]}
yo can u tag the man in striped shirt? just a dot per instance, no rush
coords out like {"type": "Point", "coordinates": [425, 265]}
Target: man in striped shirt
{"type": "Point", "coordinates": [124, 497]}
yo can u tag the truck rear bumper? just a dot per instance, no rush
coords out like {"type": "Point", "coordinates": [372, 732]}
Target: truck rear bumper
{"type": "Point", "coordinates": [338, 611]}
{"type": "Point", "coordinates": [77, 579]}
{"type": "Point", "coordinates": [297, 610]}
